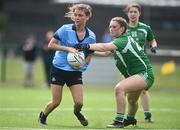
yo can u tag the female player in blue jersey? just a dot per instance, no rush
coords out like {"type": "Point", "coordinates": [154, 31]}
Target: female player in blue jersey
{"type": "Point", "coordinates": [65, 38]}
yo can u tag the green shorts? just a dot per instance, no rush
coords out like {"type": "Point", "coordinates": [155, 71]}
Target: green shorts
{"type": "Point", "coordinates": [148, 76]}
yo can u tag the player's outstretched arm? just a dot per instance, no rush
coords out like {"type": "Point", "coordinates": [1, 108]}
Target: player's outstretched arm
{"type": "Point", "coordinates": [101, 47]}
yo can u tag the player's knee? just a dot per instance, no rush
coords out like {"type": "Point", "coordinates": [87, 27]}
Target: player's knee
{"type": "Point", "coordinates": [119, 89]}
{"type": "Point", "coordinates": [132, 101]}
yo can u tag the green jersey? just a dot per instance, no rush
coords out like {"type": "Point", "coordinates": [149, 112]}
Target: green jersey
{"type": "Point", "coordinates": [141, 34]}
{"type": "Point", "coordinates": [129, 56]}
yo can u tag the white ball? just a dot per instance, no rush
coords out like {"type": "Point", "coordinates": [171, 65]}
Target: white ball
{"type": "Point", "coordinates": [75, 60]}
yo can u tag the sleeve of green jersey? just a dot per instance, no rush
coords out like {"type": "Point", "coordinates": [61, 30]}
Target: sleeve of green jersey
{"type": "Point", "coordinates": [120, 43]}
{"type": "Point", "coordinates": [150, 35]}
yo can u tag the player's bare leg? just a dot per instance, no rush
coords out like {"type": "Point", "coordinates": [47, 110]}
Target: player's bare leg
{"type": "Point", "coordinates": [132, 84]}
{"type": "Point", "coordinates": [145, 100]}
{"type": "Point", "coordinates": [56, 99]}
{"type": "Point", "coordinates": [77, 94]}
{"type": "Point", "coordinates": [132, 108]}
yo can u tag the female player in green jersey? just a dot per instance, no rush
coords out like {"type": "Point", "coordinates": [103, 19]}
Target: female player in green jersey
{"type": "Point", "coordinates": [133, 64]}
{"type": "Point", "coordinates": [142, 34]}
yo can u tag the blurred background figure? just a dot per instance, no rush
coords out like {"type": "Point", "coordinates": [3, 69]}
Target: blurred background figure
{"type": "Point", "coordinates": [47, 57]}
{"type": "Point", "coordinates": [29, 49]}
{"type": "Point", "coordinates": [106, 37]}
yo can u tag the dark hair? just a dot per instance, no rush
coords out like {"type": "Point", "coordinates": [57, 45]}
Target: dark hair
{"type": "Point", "coordinates": [136, 5]}
{"type": "Point", "coordinates": [122, 22]}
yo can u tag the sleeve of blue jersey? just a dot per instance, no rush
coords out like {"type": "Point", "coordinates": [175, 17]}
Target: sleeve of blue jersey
{"type": "Point", "coordinates": [59, 34]}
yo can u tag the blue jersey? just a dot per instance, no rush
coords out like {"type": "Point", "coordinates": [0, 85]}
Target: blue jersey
{"type": "Point", "coordinates": [66, 36]}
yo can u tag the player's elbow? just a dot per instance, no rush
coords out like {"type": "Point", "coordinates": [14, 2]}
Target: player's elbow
{"type": "Point", "coordinates": [51, 45]}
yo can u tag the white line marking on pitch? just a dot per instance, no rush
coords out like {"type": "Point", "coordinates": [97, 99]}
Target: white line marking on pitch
{"type": "Point", "coordinates": [85, 109]}
{"type": "Point", "coordinates": [15, 128]}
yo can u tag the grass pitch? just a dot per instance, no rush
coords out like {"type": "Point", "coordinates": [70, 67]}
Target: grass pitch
{"type": "Point", "coordinates": [20, 107]}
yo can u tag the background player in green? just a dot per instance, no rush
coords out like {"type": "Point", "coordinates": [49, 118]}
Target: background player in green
{"type": "Point", "coordinates": [135, 64]}
{"type": "Point", "coordinates": [141, 33]}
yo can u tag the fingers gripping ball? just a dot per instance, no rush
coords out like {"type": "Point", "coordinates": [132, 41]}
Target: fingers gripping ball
{"type": "Point", "coordinates": [75, 60]}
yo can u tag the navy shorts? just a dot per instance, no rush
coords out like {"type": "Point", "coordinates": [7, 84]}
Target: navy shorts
{"type": "Point", "coordinates": [61, 77]}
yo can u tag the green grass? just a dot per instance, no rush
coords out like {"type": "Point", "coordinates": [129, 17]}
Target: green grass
{"type": "Point", "coordinates": [20, 107]}
{"type": "Point", "coordinates": [15, 72]}
{"type": "Point", "coordinates": [168, 81]}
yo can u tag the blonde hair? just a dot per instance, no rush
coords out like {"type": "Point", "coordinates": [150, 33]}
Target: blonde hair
{"type": "Point", "coordinates": [136, 5]}
{"type": "Point", "coordinates": [84, 7]}
{"type": "Point", "coordinates": [121, 21]}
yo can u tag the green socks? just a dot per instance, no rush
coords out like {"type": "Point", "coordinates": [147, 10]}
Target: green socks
{"type": "Point", "coordinates": [119, 117]}
{"type": "Point", "coordinates": [130, 117]}
{"type": "Point", "coordinates": [147, 114]}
